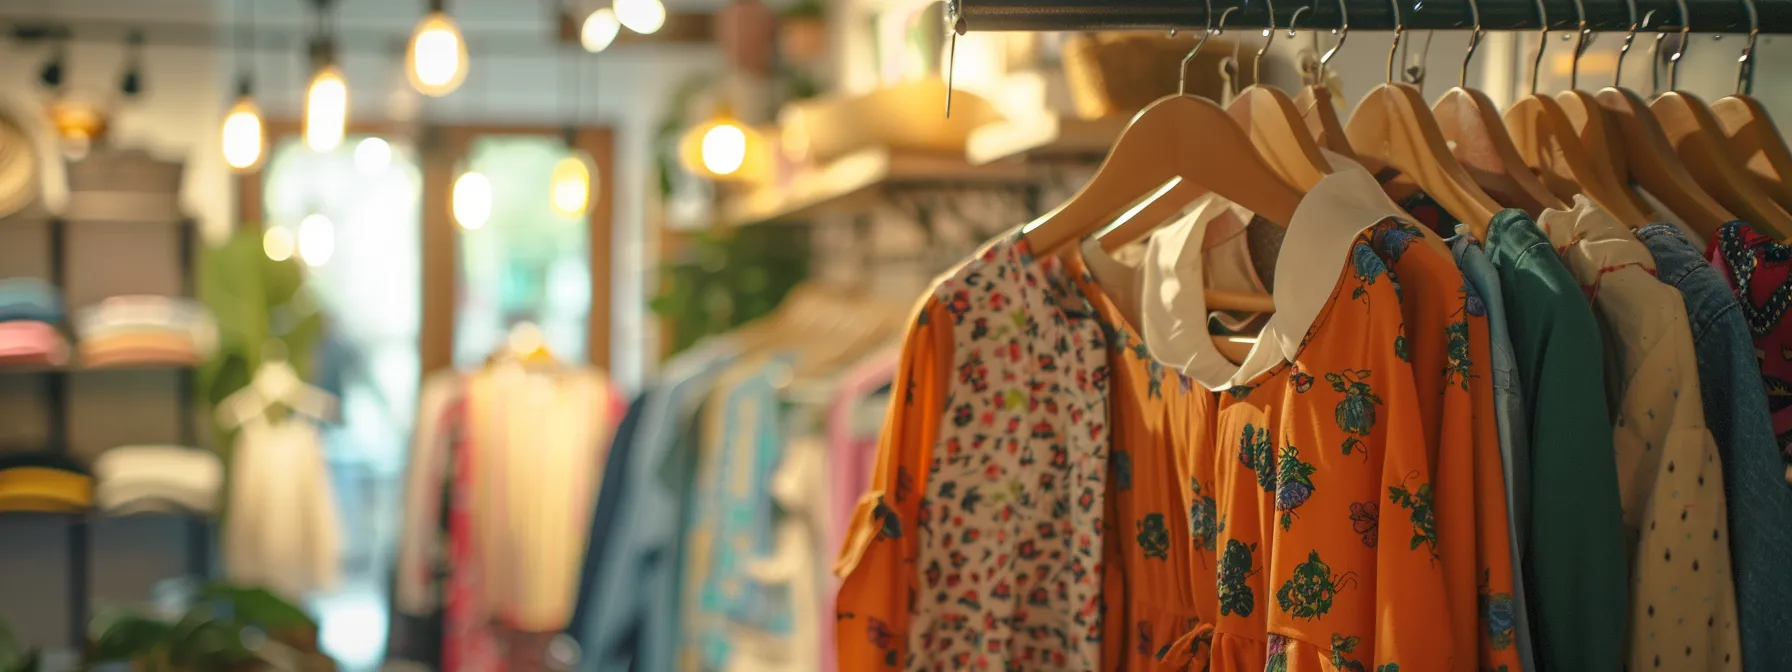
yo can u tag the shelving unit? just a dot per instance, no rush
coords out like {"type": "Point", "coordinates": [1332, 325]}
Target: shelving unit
{"type": "Point", "coordinates": [846, 185]}
{"type": "Point", "coordinates": [103, 245]}
{"type": "Point", "coordinates": [1044, 139]}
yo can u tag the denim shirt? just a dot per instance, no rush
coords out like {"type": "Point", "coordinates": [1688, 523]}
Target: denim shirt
{"type": "Point", "coordinates": [1509, 407]}
{"type": "Point", "coordinates": [631, 617]}
{"type": "Point", "coordinates": [1760, 501]}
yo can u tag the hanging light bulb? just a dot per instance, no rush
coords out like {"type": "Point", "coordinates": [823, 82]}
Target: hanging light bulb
{"type": "Point", "coordinates": [278, 243]}
{"type": "Point", "coordinates": [642, 16]}
{"type": "Point", "coordinates": [472, 200]}
{"type": "Point", "coordinates": [569, 187]}
{"type": "Point", "coordinates": [241, 137]}
{"type": "Point", "coordinates": [436, 59]}
{"type": "Point", "coordinates": [326, 100]}
{"type": "Point", "coordinates": [599, 30]}
{"type": "Point", "coordinates": [720, 149]}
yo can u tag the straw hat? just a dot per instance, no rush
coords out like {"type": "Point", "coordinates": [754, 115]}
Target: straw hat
{"type": "Point", "coordinates": [18, 167]}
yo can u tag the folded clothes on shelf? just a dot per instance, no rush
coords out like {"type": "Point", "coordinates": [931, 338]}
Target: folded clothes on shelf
{"type": "Point", "coordinates": [144, 478]}
{"type": "Point", "coordinates": [29, 299]}
{"type": "Point", "coordinates": [44, 481]}
{"type": "Point", "coordinates": [145, 329]}
{"type": "Point", "coordinates": [31, 343]}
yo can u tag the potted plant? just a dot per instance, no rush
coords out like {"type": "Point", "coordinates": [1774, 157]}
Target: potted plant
{"type": "Point", "coordinates": [12, 657]}
{"type": "Point", "coordinates": [228, 629]}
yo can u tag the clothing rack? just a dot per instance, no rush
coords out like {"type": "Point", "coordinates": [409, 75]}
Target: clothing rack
{"type": "Point", "coordinates": [1706, 16]}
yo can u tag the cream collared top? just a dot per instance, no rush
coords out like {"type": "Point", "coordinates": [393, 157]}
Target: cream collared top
{"type": "Point", "coordinates": [1174, 313]}
{"type": "Point", "coordinates": [1683, 605]}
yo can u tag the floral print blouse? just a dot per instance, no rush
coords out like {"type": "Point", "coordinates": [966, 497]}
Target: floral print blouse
{"type": "Point", "coordinates": [1320, 460]}
{"type": "Point", "coordinates": [1759, 270]}
{"type": "Point", "coordinates": [980, 542]}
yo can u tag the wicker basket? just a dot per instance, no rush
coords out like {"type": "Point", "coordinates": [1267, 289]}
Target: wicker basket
{"type": "Point", "coordinates": [1118, 74]}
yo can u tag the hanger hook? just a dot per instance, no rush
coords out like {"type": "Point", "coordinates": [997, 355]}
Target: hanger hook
{"type": "Point", "coordinates": [1542, 44]}
{"type": "Point", "coordinates": [1343, 32]}
{"type": "Point", "coordinates": [1269, 37]}
{"type": "Point", "coordinates": [1474, 42]}
{"type": "Point", "coordinates": [1745, 64]}
{"type": "Point", "coordinates": [1292, 20]}
{"type": "Point", "coordinates": [1680, 52]}
{"type": "Point", "coordinates": [1182, 76]}
{"type": "Point", "coordinates": [1580, 43]}
{"type": "Point", "coordinates": [1399, 32]}
{"type": "Point", "coordinates": [1624, 49]}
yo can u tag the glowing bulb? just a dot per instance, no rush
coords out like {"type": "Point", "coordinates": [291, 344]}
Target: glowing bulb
{"type": "Point", "coordinates": [724, 148]}
{"type": "Point", "coordinates": [599, 30]}
{"type": "Point", "coordinates": [437, 58]}
{"type": "Point", "coordinates": [317, 240]}
{"type": "Point", "coordinates": [642, 16]}
{"type": "Point", "coordinates": [326, 109]}
{"type": "Point", "coordinates": [277, 243]}
{"type": "Point", "coordinates": [242, 137]}
{"type": "Point", "coordinates": [569, 190]}
{"type": "Point", "coordinates": [472, 199]}
{"type": "Point", "coordinates": [372, 156]}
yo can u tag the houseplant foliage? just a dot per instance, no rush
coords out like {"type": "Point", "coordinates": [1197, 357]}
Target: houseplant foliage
{"type": "Point", "coordinates": [254, 299]}
{"type": "Point", "coordinates": [228, 628]}
{"type": "Point", "coordinates": [728, 278]}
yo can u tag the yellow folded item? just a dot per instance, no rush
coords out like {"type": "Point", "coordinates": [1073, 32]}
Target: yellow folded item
{"type": "Point", "coordinates": [44, 489]}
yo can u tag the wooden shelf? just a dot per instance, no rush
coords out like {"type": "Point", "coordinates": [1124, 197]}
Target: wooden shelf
{"type": "Point", "coordinates": [1044, 138]}
{"type": "Point", "coordinates": [852, 181]}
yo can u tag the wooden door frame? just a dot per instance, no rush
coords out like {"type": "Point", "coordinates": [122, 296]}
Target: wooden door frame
{"type": "Point", "coordinates": [441, 150]}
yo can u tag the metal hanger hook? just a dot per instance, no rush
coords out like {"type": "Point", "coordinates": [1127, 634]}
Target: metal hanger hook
{"type": "Point", "coordinates": [1292, 20]}
{"type": "Point", "coordinates": [1182, 76]}
{"type": "Point", "coordinates": [1674, 61]}
{"type": "Point", "coordinates": [1269, 37]}
{"type": "Point", "coordinates": [1542, 45]}
{"type": "Point", "coordinates": [1629, 37]}
{"type": "Point", "coordinates": [1745, 64]}
{"type": "Point", "coordinates": [1580, 43]}
{"type": "Point", "coordinates": [1474, 42]}
{"type": "Point", "coordinates": [1399, 32]}
{"type": "Point", "coordinates": [1343, 32]}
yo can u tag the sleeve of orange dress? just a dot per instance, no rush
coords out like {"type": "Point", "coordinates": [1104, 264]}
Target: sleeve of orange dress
{"type": "Point", "coordinates": [876, 566]}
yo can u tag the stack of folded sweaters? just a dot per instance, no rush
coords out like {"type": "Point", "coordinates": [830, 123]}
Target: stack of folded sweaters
{"type": "Point", "coordinates": [29, 311]}
{"type": "Point", "coordinates": [142, 329]}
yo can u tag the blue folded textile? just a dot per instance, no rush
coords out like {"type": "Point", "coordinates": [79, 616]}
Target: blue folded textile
{"type": "Point", "coordinates": [32, 299]}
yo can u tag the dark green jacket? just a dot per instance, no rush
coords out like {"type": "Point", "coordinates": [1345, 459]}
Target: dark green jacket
{"type": "Point", "coordinates": [1575, 560]}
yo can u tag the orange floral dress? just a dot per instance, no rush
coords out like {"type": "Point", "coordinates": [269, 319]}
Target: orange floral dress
{"type": "Point", "coordinates": [1159, 423]}
{"type": "Point", "coordinates": [1318, 460]}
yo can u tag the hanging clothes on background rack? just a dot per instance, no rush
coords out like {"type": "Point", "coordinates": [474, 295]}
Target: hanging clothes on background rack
{"type": "Point", "coordinates": [503, 475]}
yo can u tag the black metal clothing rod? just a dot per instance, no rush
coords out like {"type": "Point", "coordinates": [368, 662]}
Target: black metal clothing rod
{"type": "Point", "coordinates": [1705, 16]}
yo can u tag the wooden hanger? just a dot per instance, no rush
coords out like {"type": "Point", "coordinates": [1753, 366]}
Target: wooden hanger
{"type": "Point", "coordinates": [1395, 127]}
{"type": "Point", "coordinates": [1694, 133]}
{"type": "Point", "coordinates": [1315, 101]}
{"type": "Point", "coordinates": [1177, 137]}
{"type": "Point", "coordinates": [1550, 142]}
{"type": "Point", "coordinates": [1599, 133]}
{"type": "Point", "coordinates": [1471, 123]}
{"type": "Point", "coordinates": [1274, 124]}
{"type": "Point", "coordinates": [1652, 161]}
{"type": "Point", "coordinates": [1754, 138]}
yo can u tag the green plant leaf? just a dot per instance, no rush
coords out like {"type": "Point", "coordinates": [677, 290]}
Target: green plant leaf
{"type": "Point", "coordinates": [126, 636]}
{"type": "Point", "coordinates": [257, 607]}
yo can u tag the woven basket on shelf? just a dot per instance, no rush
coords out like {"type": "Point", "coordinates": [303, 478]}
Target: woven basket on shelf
{"type": "Point", "coordinates": [1118, 74]}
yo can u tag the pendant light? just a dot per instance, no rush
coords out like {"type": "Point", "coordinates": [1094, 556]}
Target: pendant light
{"type": "Point", "coordinates": [642, 16]}
{"type": "Point", "coordinates": [569, 186]}
{"type": "Point", "coordinates": [242, 137]}
{"type": "Point", "coordinates": [721, 149]}
{"type": "Point", "coordinates": [326, 97]}
{"type": "Point", "coordinates": [436, 59]}
{"type": "Point", "coordinates": [599, 30]}
{"type": "Point", "coordinates": [470, 198]}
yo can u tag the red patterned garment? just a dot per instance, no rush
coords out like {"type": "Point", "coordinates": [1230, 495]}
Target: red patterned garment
{"type": "Point", "coordinates": [1759, 270]}
{"type": "Point", "coordinates": [468, 643]}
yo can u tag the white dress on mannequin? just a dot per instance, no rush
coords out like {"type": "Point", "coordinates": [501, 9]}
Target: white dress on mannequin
{"type": "Point", "coordinates": [281, 530]}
